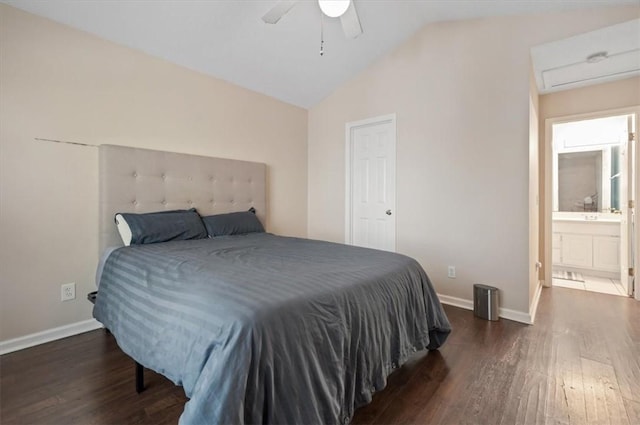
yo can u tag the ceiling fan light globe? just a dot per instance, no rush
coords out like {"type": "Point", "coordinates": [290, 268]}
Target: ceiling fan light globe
{"type": "Point", "coordinates": [334, 8]}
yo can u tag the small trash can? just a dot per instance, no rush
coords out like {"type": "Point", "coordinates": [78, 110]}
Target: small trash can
{"type": "Point", "coordinates": [485, 302]}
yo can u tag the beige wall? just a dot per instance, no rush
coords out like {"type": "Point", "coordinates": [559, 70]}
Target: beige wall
{"type": "Point", "coordinates": [60, 83]}
{"type": "Point", "coordinates": [461, 94]}
{"type": "Point", "coordinates": [601, 97]}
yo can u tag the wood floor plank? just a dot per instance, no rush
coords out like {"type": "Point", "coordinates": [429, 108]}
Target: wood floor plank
{"type": "Point", "coordinates": [529, 383]}
{"type": "Point", "coordinates": [627, 367]}
{"type": "Point", "coordinates": [529, 398]}
{"type": "Point", "coordinates": [632, 408]}
{"type": "Point", "coordinates": [569, 371]}
{"type": "Point", "coordinates": [579, 364]}
{"type": "Point", "coordinates": [555, 406]}
{"type": "Point", "coordinates": [602, 394]}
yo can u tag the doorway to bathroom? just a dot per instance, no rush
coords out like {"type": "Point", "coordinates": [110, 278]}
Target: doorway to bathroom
{"type": "Point", "coordinates": [592, 219]}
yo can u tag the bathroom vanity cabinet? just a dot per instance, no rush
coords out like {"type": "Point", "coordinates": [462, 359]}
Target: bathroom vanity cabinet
{"type": "Point", "coordinates": [586, 244]}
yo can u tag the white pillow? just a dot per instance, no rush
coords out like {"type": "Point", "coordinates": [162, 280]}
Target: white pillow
{"type": "Point", "coordinates": [124, 230]}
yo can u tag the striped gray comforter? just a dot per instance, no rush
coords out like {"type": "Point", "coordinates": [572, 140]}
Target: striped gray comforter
{"type": "Point", "coordinates": [260, 328]}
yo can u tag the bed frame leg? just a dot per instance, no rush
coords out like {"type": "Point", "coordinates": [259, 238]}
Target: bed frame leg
{"type": "Point", "coordinates": [139, 378]}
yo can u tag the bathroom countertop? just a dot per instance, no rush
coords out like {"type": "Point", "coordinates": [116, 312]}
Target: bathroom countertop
{"type": "Point", "coordinates": [583, 220]}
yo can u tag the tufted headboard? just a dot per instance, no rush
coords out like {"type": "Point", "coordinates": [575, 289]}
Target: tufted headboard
{"type": "Point", "coordinates": [143, 180]}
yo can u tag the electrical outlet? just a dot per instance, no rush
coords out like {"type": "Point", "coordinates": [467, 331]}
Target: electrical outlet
{"type": "Point", "coordinates": [451, 272]}
{"type": "Point", "coordinates": [68, 292]}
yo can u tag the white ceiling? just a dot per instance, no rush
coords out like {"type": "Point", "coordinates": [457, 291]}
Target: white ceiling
{"type": "Point", "coordinates": [227, 39]}
{"type": "Point", "coordinates": [562, 64]}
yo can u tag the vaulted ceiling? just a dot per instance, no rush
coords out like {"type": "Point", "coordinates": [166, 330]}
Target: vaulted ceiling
{"type": "Point", "coordinates": [228, 40]}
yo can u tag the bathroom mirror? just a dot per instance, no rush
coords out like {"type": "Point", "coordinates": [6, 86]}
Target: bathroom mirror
{"type": "Point", "coordinates": [580, 181]}
{"type": "Point", "coordinates": [586, 156]}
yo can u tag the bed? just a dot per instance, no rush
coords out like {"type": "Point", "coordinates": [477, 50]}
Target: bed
{"type": "Point", "coordinates": [257, 328]}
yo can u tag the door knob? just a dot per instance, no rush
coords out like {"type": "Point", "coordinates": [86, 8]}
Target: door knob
{"type": "Point", "coordinates": [388, 212]}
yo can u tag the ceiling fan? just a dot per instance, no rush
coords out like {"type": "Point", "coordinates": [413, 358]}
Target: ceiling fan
{"type": "Point", "coordinates": [343, 9]}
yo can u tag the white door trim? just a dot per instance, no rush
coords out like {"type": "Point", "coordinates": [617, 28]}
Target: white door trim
{"type": "Point", "coordinates": [548, 188]}
{"type": "Point", "coordinates": [349, 127]}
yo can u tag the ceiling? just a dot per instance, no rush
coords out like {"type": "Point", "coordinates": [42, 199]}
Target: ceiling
{"type": "Point", "coordinates": [227, 39]}
{"type": "Point", "coordinates": [563, 64]}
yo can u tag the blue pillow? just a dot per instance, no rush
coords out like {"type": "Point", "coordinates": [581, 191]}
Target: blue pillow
{"type": "Point", "coordinates": [162, 226]}
{"type": "Point", "coordinates": [236, 223]}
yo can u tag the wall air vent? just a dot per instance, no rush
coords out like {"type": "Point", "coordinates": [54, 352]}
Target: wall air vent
{"type": "Point", "coordinates": [596, 57]}
{"type": "Point", "coordinates": [615, 66]}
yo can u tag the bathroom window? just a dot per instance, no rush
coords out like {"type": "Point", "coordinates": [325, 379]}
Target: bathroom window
{"type": "Point", "coordinates": [615, 178]}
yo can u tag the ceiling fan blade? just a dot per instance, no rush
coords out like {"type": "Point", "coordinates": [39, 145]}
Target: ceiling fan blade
{"type": "Point", "coordinates": [350, 22]}
{"type": "Point", "coordinates": [278, 11]}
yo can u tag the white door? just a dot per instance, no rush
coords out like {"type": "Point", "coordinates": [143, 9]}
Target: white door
{"type": "Point", "coordinates": [371, 183]}
{"type": "Point", "coordinates": [626, 193]}
{"type": "Point", "coordinates": [634, 230]}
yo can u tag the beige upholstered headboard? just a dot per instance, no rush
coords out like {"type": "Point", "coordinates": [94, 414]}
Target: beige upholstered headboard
{"type": "Point", "coordinates": [143, 180]}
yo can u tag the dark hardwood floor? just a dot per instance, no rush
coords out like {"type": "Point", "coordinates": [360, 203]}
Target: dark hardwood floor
{"type": "Point", "coordinates": [579, 364]}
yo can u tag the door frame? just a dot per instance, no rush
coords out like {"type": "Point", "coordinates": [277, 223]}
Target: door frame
{"type": "Point", "coordinates": [348, 203]}
{"type": "Point", "coordinates": [548, 185]}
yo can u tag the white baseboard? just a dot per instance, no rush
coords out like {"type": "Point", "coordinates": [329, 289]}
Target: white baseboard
{"type": "Point", "coordinates": [515, 315]}
{"type": "Point", "coordinates": [533, 308]}
{"type": "Point", "coordinates": [38, 338]}
{"type": "Point", "coordinates": [456, 302]}
{"type": "Point", "coordinates": [506, 313]}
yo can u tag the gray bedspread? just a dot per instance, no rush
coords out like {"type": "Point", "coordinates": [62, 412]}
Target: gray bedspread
{"type": "Point", "coordinates": [261, 328]}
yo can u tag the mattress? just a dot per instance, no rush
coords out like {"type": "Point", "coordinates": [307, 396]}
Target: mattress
{"type": "Point", "coordinates": [261, 328]}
